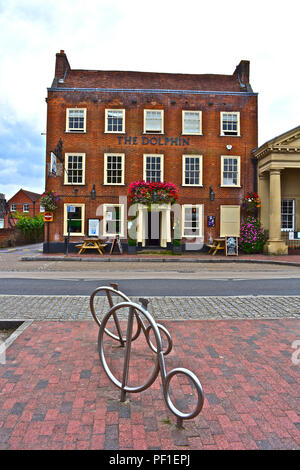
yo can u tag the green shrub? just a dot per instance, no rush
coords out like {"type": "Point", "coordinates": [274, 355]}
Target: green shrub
{"type": "Point", "coordinates": [31, 227]}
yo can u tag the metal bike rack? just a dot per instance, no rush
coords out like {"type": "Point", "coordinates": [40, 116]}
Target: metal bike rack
{"type": "Point", "coordinates": [140, 312]}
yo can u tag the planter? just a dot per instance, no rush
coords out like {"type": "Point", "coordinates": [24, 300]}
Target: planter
{"type": "Point", "coordinates": [294, 251]}
{"type": "Point", "coordinates": [177, 250]}
{"type": "Point", "coordinates": [131, 250]}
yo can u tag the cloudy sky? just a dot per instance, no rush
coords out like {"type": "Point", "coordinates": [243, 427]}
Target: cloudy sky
{"type": "Point", "coordinates": [158, 36]}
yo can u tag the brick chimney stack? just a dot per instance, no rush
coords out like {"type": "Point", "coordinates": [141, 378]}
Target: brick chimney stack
{"type": "Point", "coordinates": [243, 71]}
{"type": "Point", "coordinates": [61, 65]}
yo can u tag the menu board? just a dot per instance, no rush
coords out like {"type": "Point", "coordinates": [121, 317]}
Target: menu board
{"type": "Point", "coordinates": [231, 246]}
{"type": "Point", "coordinates": [93, 227]}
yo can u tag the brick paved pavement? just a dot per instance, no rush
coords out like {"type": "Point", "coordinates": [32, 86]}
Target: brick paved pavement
{"type": "Point", "coordinates": [55, 395]}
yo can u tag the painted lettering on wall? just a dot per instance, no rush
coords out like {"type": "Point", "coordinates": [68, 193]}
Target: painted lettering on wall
{"type": "Point", "coordinates": [153, 140]}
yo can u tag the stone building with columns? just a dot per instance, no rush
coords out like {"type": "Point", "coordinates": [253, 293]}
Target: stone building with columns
{"type": "Point", "coordinates": [278, 168]}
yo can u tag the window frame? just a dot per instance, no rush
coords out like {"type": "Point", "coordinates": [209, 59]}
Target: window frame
{"type": "Point", "coordinates": [66, 174]}
{"type": "Point", "coordinates": [13, 207]}
{"type": "Point", "coordinates": [106, 131]}
{"type": "Point", "coordinates": [200, 208]}
{"type": "Point", "coordinates": [74, 234]}
{"type": "Point", "coordinates": [184, 157]}
{"type": "Point", "coordinates": [162, 121]}
{"type": "Point", "coordinates": [238, 185]}
{"type": "Point", "coordinates": [293, 215]}
{"type": "Point", "coordinates": [76, 131]}
{"type": "Point", "coordinates": [115, 154]}
{"type": "Point", "coordinates": [238, 133]}
{"type": "Point", "coordinates": [200, 122]}
{"type": "Point", "coordinates": [122, 220]}
{"type": "Point", "coordinates": [161, 156]}
{"type": "Point", "coordinates": [26, 204]}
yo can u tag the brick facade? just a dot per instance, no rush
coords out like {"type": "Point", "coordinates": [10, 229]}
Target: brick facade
{"type": "Point", "coordinates": [96, 91]}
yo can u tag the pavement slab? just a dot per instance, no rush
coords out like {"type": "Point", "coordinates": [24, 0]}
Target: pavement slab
{"type": "Point", "coordinates": [64, 307]}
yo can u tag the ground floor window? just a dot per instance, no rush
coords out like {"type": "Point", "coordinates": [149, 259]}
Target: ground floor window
{"type": "Point", "coordinates": [287, 214]}
{"type": "Point", "coordinates": [74, 219]}
{"type": "Point", "coordinates": [113, 219]}
{"type": "Point", "coordinates": [192, 221]}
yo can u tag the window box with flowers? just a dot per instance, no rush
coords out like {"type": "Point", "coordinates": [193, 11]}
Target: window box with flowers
{"type": "Point", "coordinates": [49, 200]}
{"type": "Point", "coordinates": [144, 192]}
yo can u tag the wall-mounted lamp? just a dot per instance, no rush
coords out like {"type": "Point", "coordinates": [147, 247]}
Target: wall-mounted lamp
{"type": "Point", "coordinates": [211, 194]}
{"type": "Point", "coordinates": [93, 193]}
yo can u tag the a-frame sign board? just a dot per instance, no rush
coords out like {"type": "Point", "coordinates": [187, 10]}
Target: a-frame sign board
{"type": "Point", "coordinates": [116, 242]}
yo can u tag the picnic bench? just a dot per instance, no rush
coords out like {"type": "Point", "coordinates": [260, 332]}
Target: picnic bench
{"type": "Point", "coordinates": [217, 245]}
{"type": "Point", "coordinates": [91, 243]}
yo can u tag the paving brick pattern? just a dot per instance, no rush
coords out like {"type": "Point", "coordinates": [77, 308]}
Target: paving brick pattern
{"type": "Point", "coordinates": [54, 393]}
{"type": "Point", "coordinates": [64, 307]}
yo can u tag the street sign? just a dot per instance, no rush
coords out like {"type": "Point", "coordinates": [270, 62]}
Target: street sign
{"type": "Point", "coordinates": [48, 216]}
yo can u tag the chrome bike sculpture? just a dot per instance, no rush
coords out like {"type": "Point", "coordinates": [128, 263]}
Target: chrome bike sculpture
{"type": "Point", "coordinates": [140, 312]}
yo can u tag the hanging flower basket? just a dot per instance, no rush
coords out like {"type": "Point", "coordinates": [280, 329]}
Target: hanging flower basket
{"type": "Point", "coordinates": [49, 200]}
{"type": "Point", "coordinates": [250, 203]}
{"type": "Point", "coordinates": [144, 192]}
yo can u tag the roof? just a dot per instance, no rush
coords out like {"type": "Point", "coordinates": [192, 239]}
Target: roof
{"type": "Point", "coordinates": [284, 139]}
{"type": "Point", "coordinates": [68, 78]}
{"type": "Point", "coordinates": [31, 195]}
{"type": "Point", "coordinates": [149, 80]}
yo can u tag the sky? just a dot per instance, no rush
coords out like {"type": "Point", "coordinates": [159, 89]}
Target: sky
{"type": "Point", "coordinates": [192, 36]}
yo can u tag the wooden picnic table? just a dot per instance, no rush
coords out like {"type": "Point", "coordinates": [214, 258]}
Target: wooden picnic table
{"type": "Point", "coordinates": [217, 245]}
{"type": "Point", "coordinates": [92, 243]}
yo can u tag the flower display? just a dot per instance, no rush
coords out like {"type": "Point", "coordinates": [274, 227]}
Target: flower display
{"type": "Point", "coordinates": [251, 202]}
{"type": "Point", "coordinates": [49, 200]}
{"type": "Point", "coordinates": [144, 192]}
{"type": "Point", "coordinates": [252, 236]}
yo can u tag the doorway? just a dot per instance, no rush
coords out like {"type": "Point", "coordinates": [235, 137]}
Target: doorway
{"type": "Point", "coordinates": [154, 228]}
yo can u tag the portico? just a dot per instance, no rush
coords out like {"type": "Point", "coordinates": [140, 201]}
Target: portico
{"type": "Point", "coordinates": [279, 189]}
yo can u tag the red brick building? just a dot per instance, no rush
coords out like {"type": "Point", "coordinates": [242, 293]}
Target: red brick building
{"type": "Point", "coordinates": [23, 202]}
{"type": "Point", "coordinates": [117, 127]}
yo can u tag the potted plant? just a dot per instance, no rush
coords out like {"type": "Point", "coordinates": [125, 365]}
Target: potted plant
{"type": "Point", "coordinates": [131, 246]}
{"type": "Point", "coordinates": [177, 246]}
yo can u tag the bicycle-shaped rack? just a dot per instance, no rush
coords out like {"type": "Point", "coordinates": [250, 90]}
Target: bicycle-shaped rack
{"type": "Point", "coordinates": [138, 312]}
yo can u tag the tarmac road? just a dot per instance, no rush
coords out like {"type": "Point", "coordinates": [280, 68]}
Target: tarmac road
{"type": "Point", "coordinates": [153, 287]}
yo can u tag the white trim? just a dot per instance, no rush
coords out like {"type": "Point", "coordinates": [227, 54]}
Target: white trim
{"type": "Point", "coordinates": [238, 132]}
{"type": "Point", "coordinates": [26, 204]}
{"type": "Point", "coordinates": [151, 131]}
{"type": "Point", "coordinates": [79, 131]}
{"type": "Point", "coordinates": [238, 185]}
{"type": "Point", "coordinates": [122, 220]}
{"type": "Point", "coordinates": [74, 234]}
{"type": "Point", "coordinates": [122, 155]}
{"type": "Point", "coordinates": [74, 154]}
{"type": "Point", "coordinates": [200, 122]}
{"type": "Point", "coordinates": [200, 208]}
{"type": "Point", "coordinates": [145, 155]}
{"type": "Point", "coordinates": [200, 170]}
{"type": "Point", "coordinates": [106, 131]}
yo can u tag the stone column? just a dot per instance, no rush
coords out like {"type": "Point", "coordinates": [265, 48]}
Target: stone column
{"type": "Point", "coordinates": [275, 245]}
{"type": "Point", "coordinates": [263, 192]}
